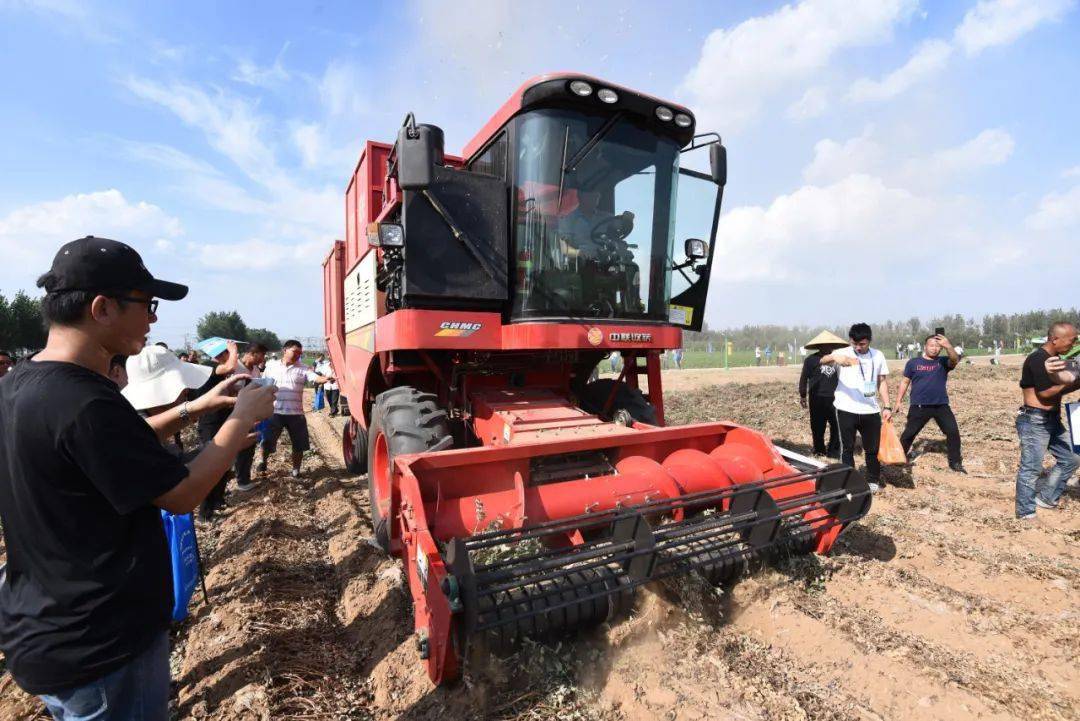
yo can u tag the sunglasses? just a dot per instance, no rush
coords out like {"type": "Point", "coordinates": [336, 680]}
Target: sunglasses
{"type": "Point", "coordinates": [150, 303]}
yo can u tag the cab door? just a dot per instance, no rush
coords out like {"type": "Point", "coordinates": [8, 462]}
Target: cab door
{"type": "Point", "coordinates": [697, 213]}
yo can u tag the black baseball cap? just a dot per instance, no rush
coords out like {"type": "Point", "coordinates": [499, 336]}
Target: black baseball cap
{"type": "Point", "coordinates": [97, 264]}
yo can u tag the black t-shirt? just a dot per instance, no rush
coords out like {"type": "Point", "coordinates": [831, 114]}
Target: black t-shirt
{"type": "Point", "coordinates": [88, 580]}
{"type": "Point", "coordinates": [210, 423]}
{"type": "Point", "coordinates": [1034, 374]}
{"type": "Point", "coordinates": [817, 379]}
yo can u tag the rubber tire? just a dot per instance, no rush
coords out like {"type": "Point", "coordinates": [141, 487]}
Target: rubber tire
{"type": "Point", "coordinates": [631, 400]}
{"type": "Point", "coordinates": [356, 460]}
{"type": "Point", "coordinates": [412, 422]}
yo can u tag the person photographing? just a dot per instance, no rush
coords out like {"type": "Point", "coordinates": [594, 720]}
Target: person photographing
{"type": "Point", "coordinates": [927, 375]}
{"type": "Point", "coordinates": [861, 383]}
{"type": "Point", "coordinates": [86, 596]}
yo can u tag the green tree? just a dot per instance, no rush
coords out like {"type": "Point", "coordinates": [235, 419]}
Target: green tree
{"type": "Point", "coordinates": [7, 333]}
{"type": "Point", "coordinates": [267, 337]}
{"type": "Point", "coordinates": [26, 322]}
{"type": "Point", "coordinates": [222, 324]}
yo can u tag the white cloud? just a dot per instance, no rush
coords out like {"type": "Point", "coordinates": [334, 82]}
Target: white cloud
{"type": "Point", "coordinates": [834, 160]}
{"type": "Point", "coordinates": [235, 129]}
{"type": "Point", "coordinates": [927, 60]}
{"type": "Point", "coordinates": [251, 73]}
{"type": "Point", "coordinates": [340, 90]}
{"type": "Point", "coordinates": [30, 235]}
{"type": "Point", "coordinates": [1073, 172]}
{"type": "Point", "coordinates": [231, 125]}
{"type": "Point", "coordinates": [857, 221]}
{"type": "Point", "coordinates": [1057, 211]}
{"type": "Point", "coordinates": [257, 254]}
{"type": "Point", "coordinates": [999, 22]}
{"type": "Point", "coordinates": [812, 104]}
{"type": "Point", "coordinates": [742, 67]}
{"type": "Point", "coordinates": [988, 148]}
{"type": "Point", "coordinates": [869, 154]}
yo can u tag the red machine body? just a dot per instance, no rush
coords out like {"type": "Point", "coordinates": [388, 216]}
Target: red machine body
{"type": "Point", "coordinates": [523, 497]}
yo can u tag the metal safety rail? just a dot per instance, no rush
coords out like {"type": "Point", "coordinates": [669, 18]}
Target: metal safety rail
{"type": "Point", "coordinates": [527, 582]}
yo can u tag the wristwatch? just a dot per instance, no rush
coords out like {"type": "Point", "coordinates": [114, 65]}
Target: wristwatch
{"type": "Point", "coordinates": [185, 416]}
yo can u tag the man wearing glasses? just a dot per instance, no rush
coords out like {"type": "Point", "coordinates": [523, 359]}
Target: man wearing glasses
{"type": "Point", "coordinates": [86, 595]}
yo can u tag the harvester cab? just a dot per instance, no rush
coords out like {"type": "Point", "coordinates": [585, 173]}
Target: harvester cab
{"type": "Point", "coordinates": [466, 311]}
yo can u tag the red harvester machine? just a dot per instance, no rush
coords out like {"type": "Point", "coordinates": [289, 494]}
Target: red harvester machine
{"type": "Point", "coordinates": [465, 314]}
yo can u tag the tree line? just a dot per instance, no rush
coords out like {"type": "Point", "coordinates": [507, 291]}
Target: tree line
{"type": "Point", "coordinates": [21, 326]}
{"type": "Point", "coordinates": [1014, 331]}
{"type": "Point", "coordinates": [229, 324]}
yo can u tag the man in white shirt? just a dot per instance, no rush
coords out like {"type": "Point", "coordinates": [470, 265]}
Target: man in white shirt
{"type": "Point", "coordinates": [861, 380]}
{"type": "Point", "coordinates": [290, 376]}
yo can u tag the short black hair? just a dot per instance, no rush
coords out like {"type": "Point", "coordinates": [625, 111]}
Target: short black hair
{"type": "Point", "coordinates": [8, 353]}
{"type": "Point", "coordinates": [118, 360]}
{"type": "Point", "coordinates": [1058, 325]}
{"type": "Point", "coordinates": [68, 307]}
{"type": "Point", "coordinates": [927, 338]}
{"type": "Point", "coordinates": [860, 331]}
{"type": "Point", "coordinates": [291, 344]}
{"type": "Point", "coordinates": [162, 344]}
{"type": "Point", "coordinates": [258, 348]}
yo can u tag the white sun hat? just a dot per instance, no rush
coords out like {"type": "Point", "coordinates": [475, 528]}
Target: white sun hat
{"type": "Point", "coordinates": [156, 377]}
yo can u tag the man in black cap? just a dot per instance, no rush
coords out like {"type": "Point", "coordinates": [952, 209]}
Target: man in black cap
{"type": "Point", "coordinates": [86, 595]}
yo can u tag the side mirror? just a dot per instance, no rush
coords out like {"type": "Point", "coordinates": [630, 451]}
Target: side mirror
{"type": "Point", "coordinates": [718, 163]}
{"type": "Point", "coordinates": [419, 149]}
{"type": "Point", "coordinates": [696, 249]}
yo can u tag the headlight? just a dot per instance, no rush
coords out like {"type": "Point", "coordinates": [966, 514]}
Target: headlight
{"type": "Point", "coordinates": [683, 120]}
{"type": "Point", "coordinates": [385, 235]}
{"type": "Point", "coordinates": [391, 235]}
{"type": "Point", "coordinates": [607, 95]}
{"type": "Point", "coordinates": [582, 88]}
{"type": "Point", "coordinates": [696, 249]}
{"type": "Point", "coordinates": [664, 114]}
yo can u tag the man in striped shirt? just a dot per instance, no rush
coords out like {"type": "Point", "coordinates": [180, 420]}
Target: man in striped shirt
{"type": "Point", "coordinates": [290, 376]}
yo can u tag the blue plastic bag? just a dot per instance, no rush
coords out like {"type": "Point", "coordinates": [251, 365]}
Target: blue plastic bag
{"type": "Point", "coordinates": [184, 554]}
{"type": "Point", "coordinates": [320, 398]}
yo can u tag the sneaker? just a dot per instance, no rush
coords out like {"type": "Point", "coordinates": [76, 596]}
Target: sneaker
{"type": "Point", "coordinates": [245, 486]}
{"type": "Point", "coordinates": [1043, 504]}
{"type": "Point", "coordinates": [874, 487]}
{"type": "Point", "coordinates": [958, 468]}
{"type": "Point", "coordinates": [261, 468]}
{"type": "Point", "coordinates": [1029, 518]}
{"type": "Point", "coordinates": [295, 473]}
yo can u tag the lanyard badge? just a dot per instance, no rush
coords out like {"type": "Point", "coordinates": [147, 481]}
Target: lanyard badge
{"type": "Point", "coordinates": [869, 386]}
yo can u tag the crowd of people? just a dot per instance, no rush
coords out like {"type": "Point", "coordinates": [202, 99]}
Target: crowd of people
{"type": "Point", "coordinates": [844, 386]}
{"type": "Point", "coordinates": [91, 453]}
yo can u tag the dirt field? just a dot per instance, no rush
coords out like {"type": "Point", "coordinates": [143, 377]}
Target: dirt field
{"type": "Point", "coordinates": [937, 606]}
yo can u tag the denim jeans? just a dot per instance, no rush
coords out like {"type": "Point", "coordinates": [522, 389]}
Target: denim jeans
{"type": "Point", "coordinates": [137, 691]}
{"type": "Point", "coordinates": [1042, 431]}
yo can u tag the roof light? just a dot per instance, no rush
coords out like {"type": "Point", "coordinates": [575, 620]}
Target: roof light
{"type": "Point", "coordinates": [683, 120]}
{"type": "Point", "coordinates": [582, 88]}
{"type": "Point", "coordinates": [664, 114]}
{"type": "Point", "coordinates": [607, 95]}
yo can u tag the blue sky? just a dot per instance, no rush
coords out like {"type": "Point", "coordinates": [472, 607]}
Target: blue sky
{"type": "Point", "coordinates": [888, 158]}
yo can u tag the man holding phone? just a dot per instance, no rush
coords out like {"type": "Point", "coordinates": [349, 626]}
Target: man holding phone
{"type": "Point", "coordinates": [927, 375]}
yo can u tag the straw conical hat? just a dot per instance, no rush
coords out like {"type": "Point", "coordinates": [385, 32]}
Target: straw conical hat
{"type": "Point", "coordinates": [825, 339]}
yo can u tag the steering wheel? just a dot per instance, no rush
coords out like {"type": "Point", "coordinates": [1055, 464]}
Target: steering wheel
{"type": "Point", "coordinates": [615, 228]}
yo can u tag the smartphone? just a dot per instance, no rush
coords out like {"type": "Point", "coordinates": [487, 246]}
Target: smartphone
{"type": "Point", "coordinates": [940, 330]}
{"type": "Point", "coordinates": [260, 382]}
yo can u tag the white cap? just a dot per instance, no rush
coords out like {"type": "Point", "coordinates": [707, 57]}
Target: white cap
{"type": "Point", "coordinates": [156, 377]}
